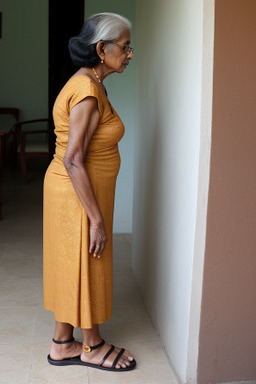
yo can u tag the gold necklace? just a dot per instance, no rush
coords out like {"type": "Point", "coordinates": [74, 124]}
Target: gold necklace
{"type": "Point", "coordinates": [99, 80]}
{"type": "Point", "coordinates": [96, 75]}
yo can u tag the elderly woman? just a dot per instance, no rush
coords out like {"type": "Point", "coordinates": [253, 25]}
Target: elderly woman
{"type": "Point", "coordinates": [79, 190]}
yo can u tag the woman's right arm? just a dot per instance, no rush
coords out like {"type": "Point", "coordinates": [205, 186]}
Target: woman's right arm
{"type": "Point", "coordinates": [83, 121]}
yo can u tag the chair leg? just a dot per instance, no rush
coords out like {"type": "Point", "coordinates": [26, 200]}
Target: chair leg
{"type": "Point", "coordinates": [14, 152]}
{"type": "Point", "coordinates": [23, 168]}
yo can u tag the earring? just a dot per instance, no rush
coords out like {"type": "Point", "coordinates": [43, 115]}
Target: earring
{"type": "Point", "coordinates": [102, 61]}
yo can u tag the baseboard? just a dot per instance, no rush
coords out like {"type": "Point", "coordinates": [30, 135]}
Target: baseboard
{"type": "Point", "coordinates": [127, 236]}
{"type": "Point", "coordinates": [239, 382]}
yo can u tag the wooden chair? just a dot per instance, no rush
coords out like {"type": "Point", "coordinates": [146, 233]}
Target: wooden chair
{"type": "Point", "coordinates": [7, 117]}
{"type": "Point", "coordinates": [30, 146]}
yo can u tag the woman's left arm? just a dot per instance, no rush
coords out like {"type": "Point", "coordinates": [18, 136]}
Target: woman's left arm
{"type": "Point", "coordinates": [83, 121]}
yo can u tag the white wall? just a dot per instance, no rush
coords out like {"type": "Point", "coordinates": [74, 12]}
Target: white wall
{"type": "Point", "coordinates": [203, 189]}
{"type": "Point", "coordinates": [121, 92]}
{"type": "Point", "coordinates": [169, 65]}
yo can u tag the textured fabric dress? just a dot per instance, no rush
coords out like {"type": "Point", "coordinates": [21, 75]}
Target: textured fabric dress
{"type": "Point", "coordinates": [77, 286]}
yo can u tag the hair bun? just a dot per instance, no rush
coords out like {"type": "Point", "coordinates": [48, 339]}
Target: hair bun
{"type": "Point", "coordinates": [82, 54]}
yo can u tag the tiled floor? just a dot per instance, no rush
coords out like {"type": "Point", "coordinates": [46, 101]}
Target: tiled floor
{"type": "Point", "coordinates": [26, 328]}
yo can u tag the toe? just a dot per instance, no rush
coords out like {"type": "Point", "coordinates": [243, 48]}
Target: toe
{"type": "Point", "coordinates": [128, 355]}
{"type": "Point", "coordinates": [127, 363]}
{"type": "Point", "coordinates": [124, 362]}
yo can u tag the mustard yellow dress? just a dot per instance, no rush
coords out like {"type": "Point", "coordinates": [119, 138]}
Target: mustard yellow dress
{"type": "Point", "coordinates": [77, 286]}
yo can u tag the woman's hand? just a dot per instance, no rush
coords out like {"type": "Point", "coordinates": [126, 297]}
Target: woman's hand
{"type": "Point", "coordinates": [98, 238]}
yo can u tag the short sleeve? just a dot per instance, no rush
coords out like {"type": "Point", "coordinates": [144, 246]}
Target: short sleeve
{"type": "Point", "coordinates": [81, 87]}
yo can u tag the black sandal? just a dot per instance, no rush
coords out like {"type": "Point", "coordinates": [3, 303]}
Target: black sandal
{"type": "Point", "coordinates": [77, 361]}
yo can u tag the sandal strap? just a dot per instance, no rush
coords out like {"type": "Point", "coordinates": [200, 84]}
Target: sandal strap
{"type": "Point", "coordinates": [63, 342]}
{"type": "Point", "coordinates": [107, 355]}
{"type": "Point", "coordinates": [118, 357]}
{"type": "Point", "coordinates": [88, 348]}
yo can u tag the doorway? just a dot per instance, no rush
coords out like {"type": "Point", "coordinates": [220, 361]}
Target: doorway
{"type": "Point", "coordinates": [64, 22]}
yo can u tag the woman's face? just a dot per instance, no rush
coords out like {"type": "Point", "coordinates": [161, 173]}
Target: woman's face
{"type": "Point", "coordinates": [118, 53]}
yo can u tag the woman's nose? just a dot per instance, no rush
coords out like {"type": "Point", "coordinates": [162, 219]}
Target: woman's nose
{"type": "Point", "coordinates": [130, 56]}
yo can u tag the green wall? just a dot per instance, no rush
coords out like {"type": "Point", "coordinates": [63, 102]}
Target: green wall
{"type": "Point", "coordinates": [121, 92]}
{"type": "Point", "coordinates": [24, 80]}
{"type": "Point", "coordinates": [24, 57]}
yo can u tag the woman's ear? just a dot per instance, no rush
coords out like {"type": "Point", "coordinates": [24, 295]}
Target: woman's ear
{"type": "Point", "coordinates": [100, 49]}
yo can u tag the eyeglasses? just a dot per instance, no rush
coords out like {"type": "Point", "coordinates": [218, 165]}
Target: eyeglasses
{"type": "Point", "coordinates": [125, 48]}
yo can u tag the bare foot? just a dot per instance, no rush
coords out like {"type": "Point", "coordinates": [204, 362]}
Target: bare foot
{"type": "Point", "coordinates": [65, 351]}
{"type": "Point", "coordinates": [96, 356]}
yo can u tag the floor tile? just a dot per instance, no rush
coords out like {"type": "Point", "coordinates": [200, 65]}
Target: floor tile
{"type": "Point", "coordinates": [121, 272]}
{"type": "Point", "coordinates": [23, 267]}
{"type": "Point", "coordinates": [43, 373]}
{"type": "Point", "coordinates": [6, 232]}
{"type": "Point", "coordinates": [24, 322]}
{"type": "Point", "coordinates": [152, 366]}
{"type": "Point", "coordinates": [14, 363]}
{"type": "Point", "coordinates": [135, 322]}
{"type": "Point", "coordinates": [3, 247]}
{"type": "Point", "coordinates": [17, 325]}
{"type": "Point", "coordinates": [125, 293]}
{"type": "Point", "coordinates": [78, 334]}
{"type": "Point", "coordinates": [121, 252]}
{"type": "Point", "coordinates": [24, 248]}
{"type": "Point", "coordinates": [19, 292]}
{"type": "Point", "coordinates": [45, 324]}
